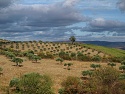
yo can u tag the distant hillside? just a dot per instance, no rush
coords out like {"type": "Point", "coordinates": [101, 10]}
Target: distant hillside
{"type": "Point", "coordinates": [112, 51]}
{"type": "Point", "coordinates": [3, 40]}
{"type": "Point", "coordinates": [120, 45]}
{"type": "Point", "coordinates": [55, 48]}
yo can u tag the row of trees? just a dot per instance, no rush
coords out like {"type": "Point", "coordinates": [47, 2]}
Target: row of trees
{"type": "Point", "coordinates": [32, 56]}
{"type": "Point", "coordinates": [13, 57]}
{"type": "Point", "coordinates": [79, 56]}
{"type": "Point", "coordinates": [16, 57]}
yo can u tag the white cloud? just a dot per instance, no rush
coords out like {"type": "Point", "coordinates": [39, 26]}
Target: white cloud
{"type": "Point", "coordinates": [70, 2]}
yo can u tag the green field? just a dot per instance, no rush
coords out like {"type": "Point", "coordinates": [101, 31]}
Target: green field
{"type": "Point", "coordinates": [111, 51]}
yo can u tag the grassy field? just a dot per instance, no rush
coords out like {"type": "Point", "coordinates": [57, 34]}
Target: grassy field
{"type": "Point", "coordinates": [111, 51]}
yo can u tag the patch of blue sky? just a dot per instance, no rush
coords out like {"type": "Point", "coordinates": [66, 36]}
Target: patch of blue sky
{"type": "Point", "coordinates": [114, 14]}
{"type": "Point", "coordinates": [80, 24]}
{"type": "Point", "coordinates": [80, 33]}
{"type": "Point", "coordinates": [30, 2]}
{"type": "Point", "coordinates": [98, 4]}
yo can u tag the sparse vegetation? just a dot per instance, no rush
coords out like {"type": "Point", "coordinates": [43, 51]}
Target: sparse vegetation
{"type": "Point", "coordinates": [111, 64]}
{"type": "Point", "coordinates": [95, 66]}
{"type": "Point", "coordinates": [36, 58]}
{"type": "Point", "coordinates": [60, 60]}
{"type": "Point", "coordinates": [87, 73]}
{"type": "Point", "coordinates": [83, 56]}
{"type": "Point", "coordinates": [68, 65]}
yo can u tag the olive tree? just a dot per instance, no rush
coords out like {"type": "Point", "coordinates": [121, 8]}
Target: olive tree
{"type": "Point", "coordinates": [60, 60]}
{"type": "Point", "coordinates": [18, 61]}
{"type": "Point", "coordinates": [87, 73]}
{"type": "Point", "coordinates": [111, 64]}
{"type": "Point", "coordinates": [95, 66]}
{"type": "Point", "coordinates": [68, 65]}
{"type": "Point", "coordinates": [36, 58]}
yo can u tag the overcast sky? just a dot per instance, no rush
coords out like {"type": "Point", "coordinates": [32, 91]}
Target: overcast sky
{"type": "Point", "coordinates": [57, 20]}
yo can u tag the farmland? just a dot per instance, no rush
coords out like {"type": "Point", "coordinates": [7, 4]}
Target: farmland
{"type": "Point", "coordinates": [48, 64]}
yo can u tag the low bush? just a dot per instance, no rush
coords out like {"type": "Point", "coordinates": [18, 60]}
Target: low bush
{"type": "Point", "coordinates": [64, 55]}
{"type": "Point", "coordinates": [96, 58]}
{"type": "Point", "coordinates": [32, 83]}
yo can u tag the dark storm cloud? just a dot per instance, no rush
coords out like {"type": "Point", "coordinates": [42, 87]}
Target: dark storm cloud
{"type": "Point", "coordinates": [54, 16]}
{"type": "Point", "coordinates": [5, 3]}
{"type": "Point", "coordinates": [51, 20]}
{"type": "Point", "coordinates": [41, 15]}
{"type": "Point", "coordinates": [102, 23]}
{"type": "Point", "coordinates": [121, 5]}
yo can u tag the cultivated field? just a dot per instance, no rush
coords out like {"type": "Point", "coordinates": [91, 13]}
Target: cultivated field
{"type": "Point", "coordinates": [84, 56]}
{"type": "Point", "coordinates": [53, 48]}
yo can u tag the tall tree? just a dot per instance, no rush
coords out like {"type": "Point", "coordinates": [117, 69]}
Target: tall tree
{"type": "Point", "coordinates": [72, 39]}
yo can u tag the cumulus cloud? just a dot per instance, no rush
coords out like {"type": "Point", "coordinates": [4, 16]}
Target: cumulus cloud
{"type": "Point", "coordinates": [101, 25]}
{"type": "Point", "coordinates": [54, 15]}
{"type": "Point", "coordinates": [52, 20]}
{"type": "Point", "coordinates": [55, 21]}
{"type": "Point", "coordinates": [121, 5]}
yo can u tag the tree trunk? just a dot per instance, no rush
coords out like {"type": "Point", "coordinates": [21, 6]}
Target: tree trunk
{"type": "Point", "coordinates": [17, 64]}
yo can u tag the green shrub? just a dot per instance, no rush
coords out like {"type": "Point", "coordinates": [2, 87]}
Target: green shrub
{"type": "Point", "coordinates": [64, 55]}
{"type": "Point", "coordinates": [49, 55]}
{"type": "Point", "coordinates": [73, 56]}
{"type": "Point", "coordinates": [104, 79]}
{"type": "Point", "coordinates": [111, 64]}
{"type": "Point", "coordinates": [42, 55]}
{"type": "Point", "coordinates": [122, 68]}
{"type": "Point", "coordinates": [95, 66]}
{"type": "Point", "coordinates": [33, 83]}
{"type": "Point", "coordinates": [15, 84]}
{"type": "Point", "coordinates": [60, 60]}
{"type": "Point", "coordinates": [82, 57]}
{"type": "Point", "coordinates": [96, 58]}
{"type": "Point", "coordinates": [70, 86]}
{"type": "Point", "coordinates": [68, 65]}
{"type": "Point", "coordinates": [122, 76]}
{"type": "Point", "coordinates": [87, 73]}
{"type": "Point", "coordinates": [123, 62]}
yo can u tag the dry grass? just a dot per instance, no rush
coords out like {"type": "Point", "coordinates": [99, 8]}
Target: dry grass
{"type": "Point", "coordinates": [45, 66]}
